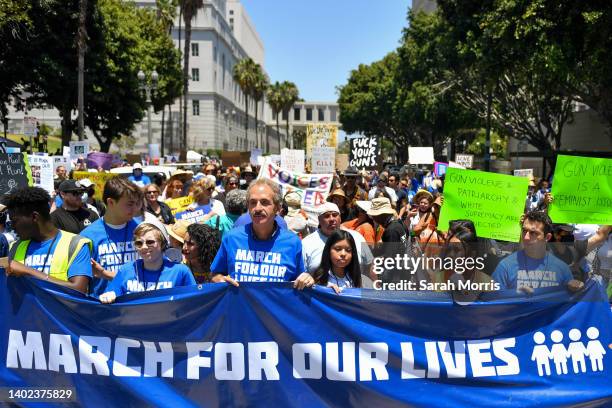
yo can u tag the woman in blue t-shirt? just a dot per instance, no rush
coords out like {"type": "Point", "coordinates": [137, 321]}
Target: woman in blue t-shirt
{"type": "Point", "coordinates": [152, 271]}
{"type": "Point", "coordinates": [339, 263]}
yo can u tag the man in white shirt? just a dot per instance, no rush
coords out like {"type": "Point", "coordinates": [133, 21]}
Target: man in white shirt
{"type": "Point", "coordinates": [313, 244]}
{"type": "Point", "coordinates": [381, 185]}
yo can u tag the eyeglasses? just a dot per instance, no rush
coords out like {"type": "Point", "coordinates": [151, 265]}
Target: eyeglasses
{"type": "Point", "coordinates": [150, 243]}
{"type": "Point", "coordinates": [232, 183]}
{"type": "Point", "coordinates": [75, 193]}
{"type": "Point", "coordinates": [152, 192]}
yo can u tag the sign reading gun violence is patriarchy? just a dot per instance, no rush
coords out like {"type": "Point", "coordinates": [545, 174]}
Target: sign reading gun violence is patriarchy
{"type": "Point", "coordinates": [494, 202]}
{"type": "Point", "coordinates": [582, 191]}
{"type": "Point", "coordinates": [364, 152]}
{"type": "Point", "coordinates": [312, 188]}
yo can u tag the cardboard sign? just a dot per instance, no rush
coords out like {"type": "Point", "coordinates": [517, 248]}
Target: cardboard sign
{"type": "Point", "coordinates": [99, 179]}
{"type": "Point", "coordinates": [465, 160]}
{"type": "Point", "coordinates": [235, 158]}
{"type": "Point", "coordinates": [364, 152]}
{"type": "Point", "coordinates": [79, 149]}
{"type": "Point", "coordinates": [323, 160]}
{"type": "Point", "coordinates": [292, 160]}
{"type": "Point", "coordinates": [42, 171]}
{"type": "Point", "coordinates": [421, 155]}
{"type": "Point", "coordinates": [342, 161]}
{"type": "Point", "coordinates": [320, 135]}
{"type": "Point", "coordinates": [14, 172]}
{"type": "Point", "coordinates": [582, 191]}
{"type": "Point", "coordinates": [494, 202]}
{"type": "Point", "coordinates": [179, 204]}
{"type": "Point", "coordinates": [523, 173]}
{"type": "Point", "coordinates": [312, 188]}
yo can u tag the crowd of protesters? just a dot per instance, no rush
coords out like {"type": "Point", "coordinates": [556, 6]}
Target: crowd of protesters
{"type": "Point", "coordinates": [240, 228]}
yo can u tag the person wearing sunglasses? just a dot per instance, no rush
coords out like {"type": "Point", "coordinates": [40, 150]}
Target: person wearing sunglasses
{"type": "Point", "coordinates": [152, 271]}
{"type": "Point", "coordinates": [158, 208]}
{"type": "Point", "coordinates": [204, 205]}
{"type": "Point", "coordinates": [72, 216]}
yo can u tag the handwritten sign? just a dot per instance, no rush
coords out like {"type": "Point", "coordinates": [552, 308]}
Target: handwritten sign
{"type": "Point", "coordinates": [364, 152]}
{"type": "Point", "coordinates": [14, 172]}
{"type": "Point", "coordinates": [61, 161]}
{"type": "Point", "coordinates": [421, 155]}
{"type": "Point", "coordinates": [494, 202]}
{"type": "Point", "coordinates": [320, 135]}
{"type": "Point", "coordinates": [292, 160]}
{"type": "Point", "coordinates": [323, 160]}
{"type": "Point", "coordinates": [465, 160]}
{"type": "Point", "coordinates": [312, 188]}
{"type": "Point", "coordinates": [523, 172]}
{"type": "Point", "coordinates": [179, 204]}
{"type": "Point", "coordinates": [41, 168]}
{"type": "Point", "coordinates": [582, 191]}
{"type": "Point", "coordinates": [99, 179]}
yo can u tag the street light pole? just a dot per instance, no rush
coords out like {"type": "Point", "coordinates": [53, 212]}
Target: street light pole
{"type": "Point", "coordinates": [148, 87]}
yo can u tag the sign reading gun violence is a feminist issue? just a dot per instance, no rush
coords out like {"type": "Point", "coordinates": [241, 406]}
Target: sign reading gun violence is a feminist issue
{"type": "Point", "coordinates": [312, 188]}
{"type": "Point", "coordinates": [364, 152]}
{"type": "Point", "coordinates": [582, 191]}
{"type": "Point", "coordinates": [14, 172]}
{"type": "Point", "coordinates": [494, 202]}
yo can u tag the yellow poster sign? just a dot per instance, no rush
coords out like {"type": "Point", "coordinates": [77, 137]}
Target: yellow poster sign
{"type": "Point", "coordinates": [320, 135]}
{"type": "Point", "coordinates": [99, 179]}
{"type": "Point", "coordinates": [179, 204]}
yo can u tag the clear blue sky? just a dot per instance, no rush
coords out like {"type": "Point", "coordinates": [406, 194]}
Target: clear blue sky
{"type": "Point", "coordinates": [316, 43]}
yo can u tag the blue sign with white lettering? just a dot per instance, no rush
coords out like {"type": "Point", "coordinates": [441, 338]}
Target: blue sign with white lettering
{"type": "Point", "coordinates": [266, 344]}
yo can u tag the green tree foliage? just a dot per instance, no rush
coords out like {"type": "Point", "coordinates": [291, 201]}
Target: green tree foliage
{"type": "Point", "coordinates": [290, 95]}
{"type": "Point", "coordinates": [245, 74]}
{"type": "Point", "coordinates": [189, 9]}
{"type": "Point", "coordinates": [262, 82]}
{"type": "Point", "coordinates": [276, 100]}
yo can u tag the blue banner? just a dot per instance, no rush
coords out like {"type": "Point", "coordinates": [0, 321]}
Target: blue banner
{"type": "Point", "coordinates": [268, 345]}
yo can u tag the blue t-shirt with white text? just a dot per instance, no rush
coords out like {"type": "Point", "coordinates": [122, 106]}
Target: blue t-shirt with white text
{"type": "Point", "coordinates": [245, 219]}
{"type": "Point", "coordinates": [133, 278]}
{"type": "Point", "coordinates": [112, 248]}
{"type": "Point", "coordinates": [518, 270]}
{"type": "Point", "coordinates": [247, 259]}
{"type": "Point", "coordinates": [141, 181]}
{"type": "Point", "coordinates": [194, 216]}
{"type": "Point", "coordinates": [36, 258]}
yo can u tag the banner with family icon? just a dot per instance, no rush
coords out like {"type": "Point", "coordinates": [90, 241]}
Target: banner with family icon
{"type": "Point", "coordinates": [267, 344]}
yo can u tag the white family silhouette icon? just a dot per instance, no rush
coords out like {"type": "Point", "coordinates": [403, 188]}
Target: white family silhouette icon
{"type": "Point", "coordinates": [576, 351]}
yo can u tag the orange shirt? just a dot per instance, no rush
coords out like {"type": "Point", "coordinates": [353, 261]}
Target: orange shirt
{"type": "Point", "coordinates": [365, 229]}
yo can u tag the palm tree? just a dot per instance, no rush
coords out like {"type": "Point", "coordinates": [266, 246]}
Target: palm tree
{"type": "Point", "coordinates": [245, 75]}
{"type": "Point", "coordinates": [290, 95]}
{"type": "Point", "coordinates": [259, 90]}
{"type": "Point", "coordinates": [190, 9]}
{"type": "Point", "coordinates": [276, 101]}
{"type": "Point", "coordinates": [166, 12]}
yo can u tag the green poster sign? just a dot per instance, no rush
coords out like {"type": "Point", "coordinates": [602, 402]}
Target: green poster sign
{"type": "Point", "coordinates": [493, 202]}
{"type": "Point", "coordinates": [582, 191]}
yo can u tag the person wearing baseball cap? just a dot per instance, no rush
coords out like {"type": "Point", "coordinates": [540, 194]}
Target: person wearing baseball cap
{"type": "Point", "coordinates": [137, 177]}
{"type": "Point", "coordinates": [329, 221]}
{"type": "Point", "coordinates": [72, 215]}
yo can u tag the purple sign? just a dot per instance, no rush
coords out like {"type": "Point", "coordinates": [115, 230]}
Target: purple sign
{"type": "Point", "coordinates": [99, 159]}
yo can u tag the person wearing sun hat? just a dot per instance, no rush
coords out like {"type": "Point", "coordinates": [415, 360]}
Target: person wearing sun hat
{"type": "Point", "coordinates": [296, 218]}
{"type": "Point", "coordinates": [425, 212]}
{"type": "Point", "coordinates": [338, 197]}
{"type": "Point", "coordinates": [362, 223]}
{"type": "Point", "coordinates": [352, 191]}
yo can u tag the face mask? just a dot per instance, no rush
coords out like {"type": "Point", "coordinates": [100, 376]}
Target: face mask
{"type": "Point", "coordinates": [85, 197]}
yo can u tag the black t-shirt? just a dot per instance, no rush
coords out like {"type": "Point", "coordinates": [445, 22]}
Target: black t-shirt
{"type": "Point", "coordinates": [73, 221]}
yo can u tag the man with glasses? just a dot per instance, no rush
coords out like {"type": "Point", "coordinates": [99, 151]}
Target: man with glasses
{"type": "Point", "coordinates": [72, 216]}
{"type": "Point", "coordinates": [533, 268]}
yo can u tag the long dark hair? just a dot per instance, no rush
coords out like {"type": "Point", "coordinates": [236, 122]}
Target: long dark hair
{"type": "Point", "coordinates": [353, 271]}
{"type": "Point", "coordinates": [465, 232]}
{"type": "Point", "coordinates": [207, 241]}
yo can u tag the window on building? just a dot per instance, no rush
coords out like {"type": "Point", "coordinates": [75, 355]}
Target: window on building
{"type": "Point", "coordinates": [309, 114]}
{"type": "Point", "coordinates": [195, 74]}
{"type": "Point", "coordinates": [195, 49]}
{"type": "Point", "coordinates": [231, 12]}
{"type": "Point", "coordinates": [332, 115]}
{"type": "Point", "coordinates": [296, 113]}
{"type": "Point", "coordinates": [321, 114]}
{"type": "Point", "coordinates": [215, 53]}
{"type": "Point", "coordinates": [196, 107]}
{"type": "Point", "coordinates": [223, 69]}
{"type": "Point", "coordinates": [284, 115]}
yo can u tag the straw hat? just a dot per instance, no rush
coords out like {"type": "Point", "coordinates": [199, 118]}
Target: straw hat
{"type": "Point", "coordinates": [423, 194]}
{"type": "Point", "coordinates": [380, 206]}
{"type": "Point", "coordinates": [178, 230]}
{"type": "Point", "coordinates": [338, 192]}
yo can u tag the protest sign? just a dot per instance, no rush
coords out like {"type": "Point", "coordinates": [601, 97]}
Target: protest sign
{"type": "Point", "coordinates": [179, 204]}
{"type": "Point", "coordinates": [255, 154]}
{"type": "Point", "coordinates": [276, 159]}
{"type": "Point", "coordinates": [342, 161]}
{"type": "Point", "coordinates": [312, 188]}
{"type": "Point", "coordinates": [494, 202]}
{"type": "Point", "coordinates": [292, 160]}
{"type": "Point", "coordinates": [440, 168]}
{"type": "Point", "coordinates": [523, 172]}
{"type": "Point", "coordinates": [42, 171]}
{"type": "Point", "coordinates": [582, 191]}
{"type": "Point", "coordinates": [278, 347]}
{"type": "Point", "coordinates": [320, 135]}
{"type": "Point", "coordinates": [79, 149]}
{"type": "Point", "coordinates": [465, 160]}
{"type": "Point", "coordinates": [14, 172]}
{"type": "Point", "coordinates": [61, 161]}
{"type": "Point", "coordinates": [100, 159]}
{"type": "Point", "coordinates": [154, 153]}
{"type": "Point", "coordinates": [364, 152]}
{"type": "Point", "coordinates": [421, 155]}
{"type": "Point", "coordinates": [99, 179]}
{"type": "Point", "coordinates": [8, 146]}
{"type": "Point", "coordinates": [29, 126]}
{"type": "Point", "coordinates": [66, 151]}
{"type": "Point", "coordinates": [323, 160]}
